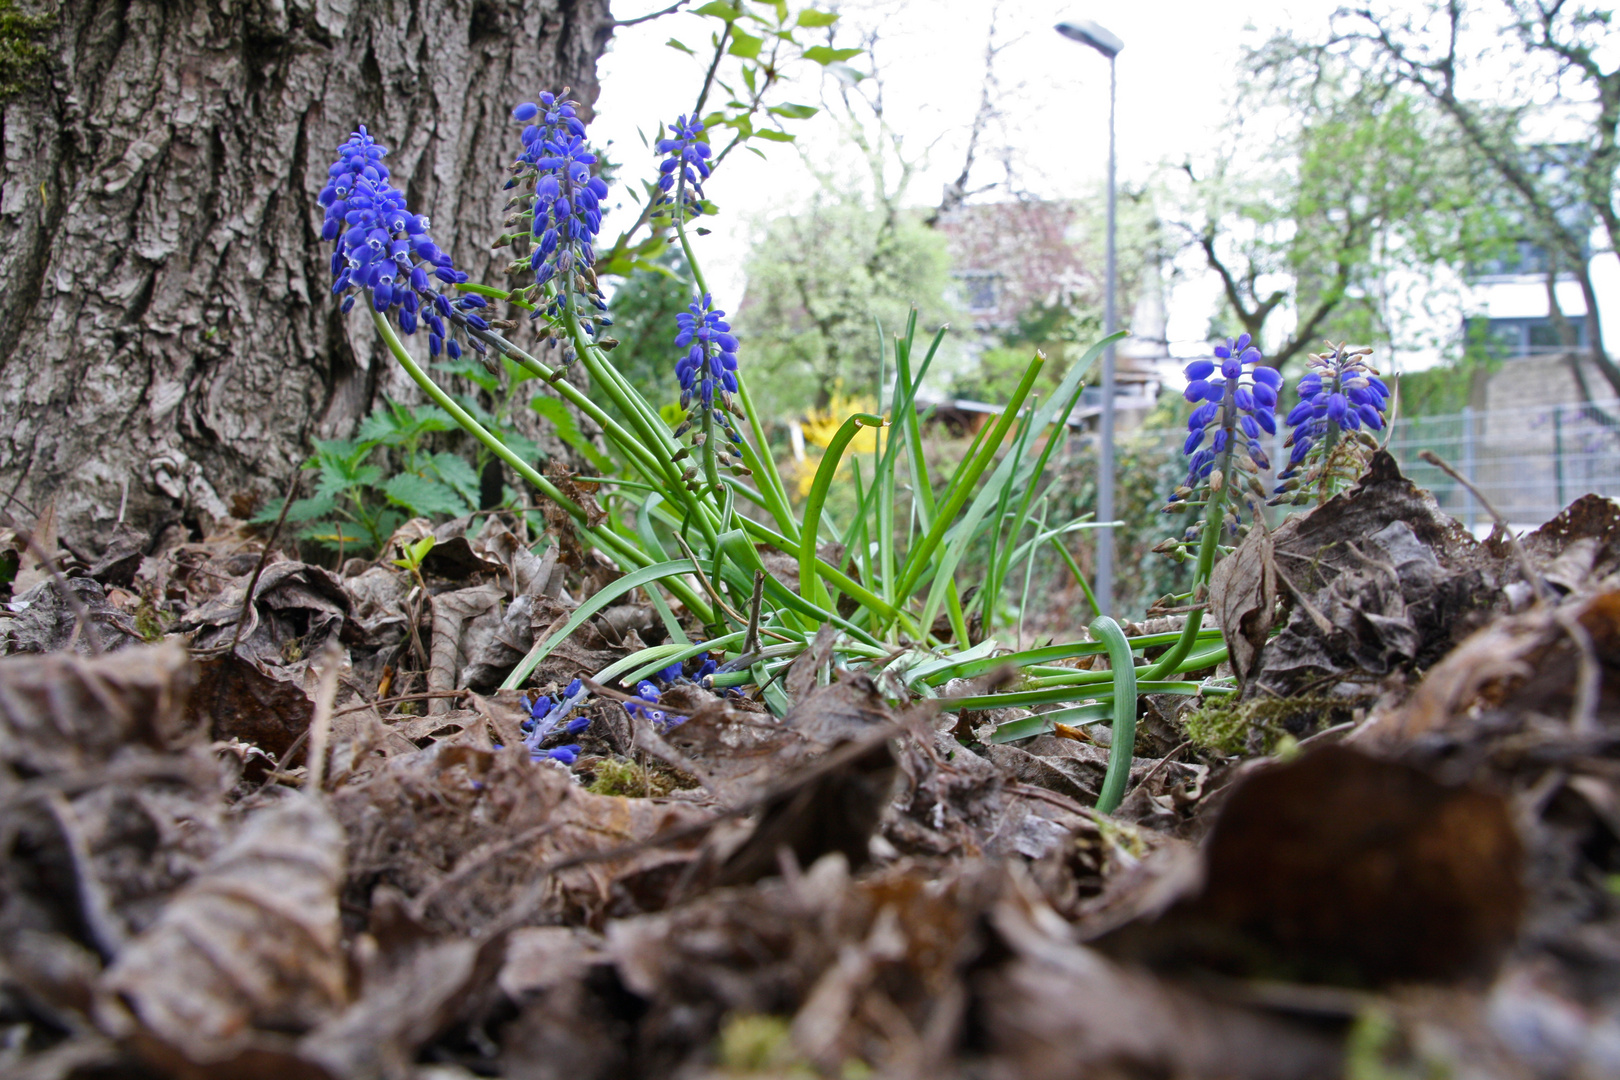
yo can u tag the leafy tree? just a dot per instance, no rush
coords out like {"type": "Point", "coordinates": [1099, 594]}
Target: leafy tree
{"type": "Point", "coordinates": [820, 282]}
{"type": "Point", "coordinates": [1487, 68]}
{"type": "Point", "coordinates": [1357, 183]}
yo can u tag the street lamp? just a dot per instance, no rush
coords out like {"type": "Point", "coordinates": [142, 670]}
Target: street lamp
{"type": "Point", "coordinates": [1089, 33]}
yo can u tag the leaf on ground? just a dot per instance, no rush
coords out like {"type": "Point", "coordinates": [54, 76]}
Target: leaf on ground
{"type": "Point", "coordinates": [296, 606]}
{"type": "Point", "coordinates": [62, 713]}
{"type": "Point", "coordinates": [1056, 1010]}
{"type": "Point", "coordinates": [247, 953]}
{"type": "Point", "coordinates": [464, 622]}
{"type": "Point", "coordinates": [1243, 600]}
{"type": "Point", "coordinates": [1343, 868]}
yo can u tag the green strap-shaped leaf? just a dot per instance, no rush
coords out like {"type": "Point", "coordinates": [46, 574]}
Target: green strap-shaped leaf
{"type": "Point", "coordinates": [1123, 745]}
{"type": "Point", "coordinates": [602, 599]}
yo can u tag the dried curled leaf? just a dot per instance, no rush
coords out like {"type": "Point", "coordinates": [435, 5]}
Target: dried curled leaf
{"type": "Point", "coordinates": [247, 951]}
{"type": "Point", "coordinates": [63, 713]}
{"type": "Point", "coordinates": [1344, 868]}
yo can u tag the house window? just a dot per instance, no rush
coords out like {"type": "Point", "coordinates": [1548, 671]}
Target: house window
{"type": "Point", "coordinates": [1507, 339]}
{"type": "Point", "coordinates": [980, 290]}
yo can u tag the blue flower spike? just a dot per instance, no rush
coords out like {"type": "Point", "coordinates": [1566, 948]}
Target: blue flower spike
{"type": "Point", "coordinates": [1342, 401]}
{"type": "Point", "coordinates": [707, 372]}
{"type": "Point", "coordinates": [383, 251]}
{"type": "Point", "coordinates": [682, 171]}
{"type": "Point", "coordinates": [559, 203]}
{"type": "Point", "coordinates": [1235, 395]}
{"type": "Point", "coordinates": [545, 716]}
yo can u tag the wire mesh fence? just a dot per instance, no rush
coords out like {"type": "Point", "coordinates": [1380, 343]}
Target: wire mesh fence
{"type": "Point", "coordinates": [1530, 463]}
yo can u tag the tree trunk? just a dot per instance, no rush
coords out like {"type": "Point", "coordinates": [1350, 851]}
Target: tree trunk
{"type": "Point", "coordinates": [166, 325]}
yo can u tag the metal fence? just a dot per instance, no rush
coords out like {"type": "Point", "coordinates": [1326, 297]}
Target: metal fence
{"type": "Point", "coordinates": [1530, 463]}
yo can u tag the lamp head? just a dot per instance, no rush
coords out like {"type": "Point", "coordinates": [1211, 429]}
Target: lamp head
{"type": "Point", "coordinates": [1089, 33]}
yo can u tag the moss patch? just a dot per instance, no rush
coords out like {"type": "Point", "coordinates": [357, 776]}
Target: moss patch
{"type": "Point", "coordinates": [22, 58]}
{"type": "Point", "coordinates": [1261, 724]}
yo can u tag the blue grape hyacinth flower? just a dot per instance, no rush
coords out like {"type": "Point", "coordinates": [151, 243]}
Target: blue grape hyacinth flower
{"type": "Point", "coordinates": [1235, 395]}
{"type": "Point", "coordinates": [1341, 400]}
{"type": "Point", "coordinates": [685, 166]}
{"type": "Point", "coordinates": [384, 250]}
{"type": "Point", "coordinates": [563, 205]}
{"type": "Point", "coordinates": [646, 706]}
{"type": "Point", "coordinates": [707, 371]}
{"type": "Point", "coordinates": [545, 716]}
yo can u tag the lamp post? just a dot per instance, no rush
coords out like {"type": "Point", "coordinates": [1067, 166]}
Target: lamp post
{"type": "Point", "coordinates": [1089, 33]}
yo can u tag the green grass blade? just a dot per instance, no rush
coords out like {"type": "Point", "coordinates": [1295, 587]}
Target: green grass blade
{"type": "Point", "coordinates": [644, 576]}
{"type": "Point", "coordinates": [810, 585]}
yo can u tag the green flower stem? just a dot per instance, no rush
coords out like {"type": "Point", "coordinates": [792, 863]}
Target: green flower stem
{"type": "Point", "coordinates": [1123, 745]}
{"type": "Point", "coordinates": [639, 455]}
{"type": "Point", "coordinates": [711, 470]}
{"type": "Point", "coordinates": [655, 434]}
{"type": "Point", "coordinates": [1214, 522]}
{"type": "Point", "coordinates": [1103, 691]}
{"type": "Point", "coordinates": [626, 553]}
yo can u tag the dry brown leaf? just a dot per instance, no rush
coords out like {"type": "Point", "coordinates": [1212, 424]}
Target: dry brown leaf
{"type": "Point", "coordinates": [1343, 868]}
{"type": "Point", "coordinates": [248, 951]}
{"type": "Point", "coordinates": [1243, 599]}
{"type": "Point", "coordinates": [64, 713]}
{"type": "Point", "coordinates": [1530, 659]}
{"type": "Point", "coordinates": [463, 621]}
{"type": "Point", "coordinates": [1058, 1010]}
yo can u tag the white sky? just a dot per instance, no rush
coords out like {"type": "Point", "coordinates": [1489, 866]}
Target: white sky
{"type": "Point", "coordinates": [1177, 73]}
{"type": "Point", "coordinates": [1175, 77]}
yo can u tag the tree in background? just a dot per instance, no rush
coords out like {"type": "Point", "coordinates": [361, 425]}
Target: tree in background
{"type": "Point", "coordinates": [1352, 182]}
{"type": "Point", "coordinates": [644, 308]}
{"type": "Point", "coordinates": [821, 282]}
{"type": "Point", "coordinates": [1048, 258]}
{"type": "Point", "coordinates": [1488, 68]}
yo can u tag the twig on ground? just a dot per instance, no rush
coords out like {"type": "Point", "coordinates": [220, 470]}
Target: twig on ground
{"type": "Point", "coordinates": [320, 724]}
{"type": "Point", "coordinates": [264, 556]}
{"type": "Point", "coordinates": [1161, 763]}
{"type": "Point", "coordinates": [428, 695]}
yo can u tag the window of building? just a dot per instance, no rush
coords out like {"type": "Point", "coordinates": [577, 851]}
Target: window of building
{"type": "Point", "coordinates": [1508, 339]}
{"type": "Point", "coordinates": [980, 290]}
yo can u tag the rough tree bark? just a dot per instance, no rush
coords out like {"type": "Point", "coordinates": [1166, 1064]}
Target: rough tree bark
{"type": "Point", "coordinates": [165, 319]}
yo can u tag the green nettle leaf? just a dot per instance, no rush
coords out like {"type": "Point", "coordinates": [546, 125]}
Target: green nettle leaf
{"type": "Point", "coordinates": [744, 45]}
{"type": "Point", "coordinates": [568, 430]}
{"type": "Point", "coordinates": [424, 496]}
{"type": "Point", "coordinates": [748, 77]}
{"type": "Point", "coordinates": [672, 43]}
{"type": "Point", "coordinates": [454, 470]}
{"type": "Point", "coordinates": [516, 372]}
{"type": "Point", "coordinates": [794, 112]}
{"type": "Point", "coordinates": [718, 9]}
{"type": "Point", "coordinates": [812, 18]}
{"type": "Point", "coordinates": [823, 54]}
{"type": "Point", "coordinates": [475, 372]}
{"type": "Point", "coordinates": [382, 426]}
{"type": "Point", "coordinates": [774, 136]}
{"type": "Point", "coordinates": [310, 509]}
